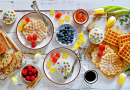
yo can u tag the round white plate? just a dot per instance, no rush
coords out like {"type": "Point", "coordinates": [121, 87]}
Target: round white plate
{"type": "Point", "coordinates": [26, 43]}
{"type": "Point", "coordinates": [56, 77]}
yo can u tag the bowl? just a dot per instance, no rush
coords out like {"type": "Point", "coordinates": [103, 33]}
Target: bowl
{"type": "Point", "coordinates": [71, 30]}
{"type": "Point", "coordinates": [85, 13]}
{"type": "Point", "coordinates": [22, 76]}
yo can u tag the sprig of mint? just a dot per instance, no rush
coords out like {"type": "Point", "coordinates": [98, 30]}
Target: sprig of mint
{"type": "Point", "coordinates": [127, 20]}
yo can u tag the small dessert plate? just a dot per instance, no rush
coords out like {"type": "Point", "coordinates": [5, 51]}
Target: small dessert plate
{"type": "Point", "coordinates": [56, 77]}
{"type": "Point", "coordinates": [21, 76]}
{"type": "Point", "coordinates": [44, 42]}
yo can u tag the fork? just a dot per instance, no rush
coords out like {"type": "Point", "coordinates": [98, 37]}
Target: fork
{"type": "Point", "coordinates": [35, 7]}
{"type": "Point", "coordinates": [80, 52]}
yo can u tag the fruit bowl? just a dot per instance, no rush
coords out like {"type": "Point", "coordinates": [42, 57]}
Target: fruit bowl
{"type": "Point", "coordinates": [66, 35]}
{"type": "Point", "coordinates": [80, 16]}
{"type": "Point", "coordinates": [29, 73]}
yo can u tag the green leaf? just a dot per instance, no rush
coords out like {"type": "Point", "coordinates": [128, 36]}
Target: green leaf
{"type": "Point", "coordinates": [128, 74]}
{"type": "Point", "coordinates": [121, 21]}
{"type": "Point", "coordinates": [127, 16]}
{"type": "Point", "coordinates": [127, 70]}
{"type": "Point", "coordinates": [126, 19]}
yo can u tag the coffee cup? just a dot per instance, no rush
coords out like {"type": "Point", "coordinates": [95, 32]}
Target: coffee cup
{"type": "Point", "coordinates": [90, 76]}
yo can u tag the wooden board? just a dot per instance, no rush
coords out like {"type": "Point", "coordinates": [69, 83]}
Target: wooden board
{"type": "Point", "coordinates": [90, 49]}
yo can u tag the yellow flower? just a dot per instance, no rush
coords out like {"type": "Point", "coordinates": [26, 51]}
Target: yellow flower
{"type": "Point", "coordinates": [122, 78]}
{"type": "Point", "coordinates": [99, 11]}
{"type": "Point", "coordinates": [111, 21]}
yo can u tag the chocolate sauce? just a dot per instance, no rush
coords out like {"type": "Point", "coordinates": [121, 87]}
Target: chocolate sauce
{"type": "Point", "coordinates": [90, 76]}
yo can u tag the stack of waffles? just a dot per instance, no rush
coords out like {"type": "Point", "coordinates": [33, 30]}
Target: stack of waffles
{"type": "Point", "coordinates": [110, 63]}
{"type": "Point", "coordinates": [35, 27]}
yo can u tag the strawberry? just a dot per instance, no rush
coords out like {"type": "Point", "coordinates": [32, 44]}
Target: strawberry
{"type": "Point", "coordinates": [29, 38]}
{"type": "Point", "coordinates": [29, 68]}
{"type": "Point", "coordinates": [33, 44]}
{"type": "Point", "coordinates": [100, 54]}
{"type": "Point", "coordinates": [32, 78]}
{"type": "Point", "coordinates": [35, 75]}
{"type": "Point", "coordinates": [34, 70]}
{"type": "Point", "coordinates": [102, 47]}
{"type": "Point", "coordinates": [24, 71]}
{"type": "Point", "coordinates": [28, 78]}
{"type": "Point", "coordinates": [30, 73]}
{"type": "Point", "coordinates": [34, 37]}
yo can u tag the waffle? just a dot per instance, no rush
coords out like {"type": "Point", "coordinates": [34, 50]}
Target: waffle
{"type": "Point", "coordinates": [124, 52]}
{"type": "Point", "coordinates": [111, 37]}
{"type": "Point", "coordinates": [38, 28]}
{"type": "Point", "coordinates": [123, 39]}
{"type": "Point", "coordinates": [110, 64]}
{"type": "Point", "coordinates": [95, 58]}
{"type": "Point", "coordinates": [29, 25]}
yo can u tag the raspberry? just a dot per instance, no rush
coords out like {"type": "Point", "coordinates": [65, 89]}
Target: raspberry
{"type": "Point", "coordinates": [35, 75]}
{"type": "Point", "coordinates": [27, 19]}
{"type": "Point", "coordinates": [102, 47]}
{"type": "Point", "coordinates": [57, 55]}
{"type": "Point", "coordinates": [34, 37]}
{"type": "Point", "coordinates": [32, 78]}
{"type": "Point", "coordinates": [100, 54]}
{"type": "Point", "coordinates": [29, 38]}
{"type": "Point", "coordinates": [30, 73]}
{"type": "Point", "coordinates": [54, 60]}
{"type": "Point", "coordinates": [28, 78]}
{"type": "Point", "coordinates": [33, 44]}
{"type": "Point", "coordinates": [24, 71]}
{"type": "Point", "coordinates": [29, 68]}
{"type": "Point", "coordinates": [34, 70]}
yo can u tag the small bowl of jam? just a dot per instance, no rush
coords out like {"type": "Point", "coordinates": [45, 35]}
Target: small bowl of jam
{"type": "Point", "coordinates": [80, 16]}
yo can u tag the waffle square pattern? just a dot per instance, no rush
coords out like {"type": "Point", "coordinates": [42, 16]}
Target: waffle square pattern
{"type": "Point", "coordinates": [111, 37]}
{"type": "Point", "coordinates": [124, 52]}
{"type": "Point", "coordinates": [123, 39]}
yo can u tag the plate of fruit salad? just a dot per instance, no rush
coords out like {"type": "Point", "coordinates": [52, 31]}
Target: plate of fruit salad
{"type": "Point", "coordinates": [58, 63]}
{"type": "Point", "coordinates": [32, 32]}
{"type": "Point", "coordinates": [66, 35]}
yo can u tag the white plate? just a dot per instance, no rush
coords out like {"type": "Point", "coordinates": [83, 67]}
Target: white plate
{"type": "Point", "coordinates": [56, 77]}
{"type": "Point", "coordinates": [26, 43]}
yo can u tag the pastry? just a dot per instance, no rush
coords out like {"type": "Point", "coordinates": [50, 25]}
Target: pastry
{"type": "Point", "coordinates": [35, 27]}
{"type": "Point", "coordinates": [10, 67]}
{"type": "Point", "coordinates": [96, 35]}
{"type": "Point", "coordinates": [124, 52]}
{"type": "Point", "coordinates": [111, 37]}
{"type": "Point", "coordinates": [63, 66]}
{"type": "Point", "coordinates": [95, 58]}
{"type": "Point", "coordinates": [19, 57]}
{"type": "Point", "coordinates": [123, 39]}
{"type": "Point", "coordinates": [2, 47]}
{"type": "Point", "coordinates": [110, 64]}
{"type": "Point", "coordinates": [5, 60]}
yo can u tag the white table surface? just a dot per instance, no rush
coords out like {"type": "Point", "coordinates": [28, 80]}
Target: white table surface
{"type": "Point", "coordinates": [23, 6]}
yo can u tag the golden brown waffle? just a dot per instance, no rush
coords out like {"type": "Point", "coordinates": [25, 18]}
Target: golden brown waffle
{"type": "Point", "coordinates": [95, 58]}
{"type": "Point", "coordinates": [111, 37]}
{"type": "Point", "coordinates": [40, 30]}
{"type": "Point", "coordinates": [110, 64]}
{"type": "Point", "coordinates": [124, 52]}
{"type": "Point", "coordinates": [10, 67]}
{"type": "Point", "coordinates": [29, 25]}
{"type": "Point", "coordinates": [123, 39]}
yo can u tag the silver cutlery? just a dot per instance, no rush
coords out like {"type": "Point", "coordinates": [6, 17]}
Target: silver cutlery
{"type": "Point", "coordinates": [35, 7]}
{"type": "Point", "coordinates": [79, 54]}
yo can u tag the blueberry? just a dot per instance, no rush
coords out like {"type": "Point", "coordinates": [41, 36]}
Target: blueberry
{"type": "Point", "coordinates": [63, 41]}
{"type": "Point", "coordinates": [71, 40]}
{"type": "Point", "coordinates": [59, 38]}
{"type": "Point", "coordinates": [57, 34]}
{"type": "Point", "coordinates": [62, 35]}
{"type": "Point", "coordinates": [66, 39]}
{"type": "Point", "coordinates": [66, 34]}
{"type": "Point", "coordinates": [71, 37]}
{"type": "Point", "coordinates": [63, 38]}
{"type": "Point", "coordinates": [71, 30]}
{"type": "Point", "coordinates": [72, 34]}
{"type": "Point", "coordinates": [67, 42]}
{"type": "Point", "coordinates": [66, 27]}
